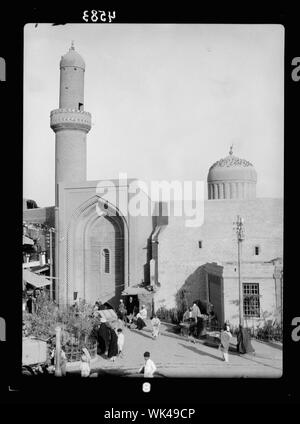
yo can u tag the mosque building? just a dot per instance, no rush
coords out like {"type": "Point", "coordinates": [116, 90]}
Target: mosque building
{"type": "Point", "coordinates": [103, 252]}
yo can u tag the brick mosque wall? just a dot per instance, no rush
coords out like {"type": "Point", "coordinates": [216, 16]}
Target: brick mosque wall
{"type": "Point", "coordinates": [179, 256]}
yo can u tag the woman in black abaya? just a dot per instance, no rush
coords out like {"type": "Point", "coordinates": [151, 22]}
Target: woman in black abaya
{"type": "Point", "coordinates": [113, 344]}
{"type": "Point", "coordinates": [102, 334]}
{"type": "Point", "coordinates": [243, 341]}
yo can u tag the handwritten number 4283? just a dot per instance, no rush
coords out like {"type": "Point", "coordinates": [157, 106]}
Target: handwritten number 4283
{"type": "Point", "coordinates": [96, 15]}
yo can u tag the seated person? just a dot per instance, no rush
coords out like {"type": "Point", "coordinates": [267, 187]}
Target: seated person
{"type": "Point", "coordinates": [141, 316]}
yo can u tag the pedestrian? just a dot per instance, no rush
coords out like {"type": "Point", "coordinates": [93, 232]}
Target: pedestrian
{"type": "Point", "coordinates": [85, 366]}
{"type": "Point", "coordinates": [52, 356]}
{"type": "Point", "coordinates": [130, 308]}
{"type": "Point", "coordinates": [149, 367]}
{"type": "Point", "coordinates": [143, 312]}
{"type": "Point", "coordinates": [113, 345]}
{"type": "Point", "coordinates": [103, 336]}
{"type": "Point", "coordinates": [212, 317]}
{"type": "Point", "coordinates": [244, 341]}
{"type": "Point", "coordinates": [196, 313]}
{"type": "Point", "coordinates": [121, 340]}
{"type": "Point", "coordinates": [155, 326]}
{"type": "Point", "coordinates": [192, 324]}
{"type": "Point", "coordinates": [122, 311]}
{"type": "Point", "coordinates": [63, 362]}
{"type": "Point", "coordinates": [29, 304]}
{"type": "Point", "coordinates": [225, 342]}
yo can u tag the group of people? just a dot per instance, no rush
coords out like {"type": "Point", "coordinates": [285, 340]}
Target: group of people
{"type": "Point", "coordinates": [110, 341]}
{"type": "Point", "coordinates": [132, 316]}
{"type": "Point", "coordinates": [194, 318]}
{"type": "Point", "coordinates": [30, 300]}
{"type": "Point", "coordinates": [130, 313]}
{"type": "Point", "coordinates": [243, 341]}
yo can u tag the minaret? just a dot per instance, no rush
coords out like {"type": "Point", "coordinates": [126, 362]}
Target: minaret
{"type": "Point", "coordinates": [70, 122]}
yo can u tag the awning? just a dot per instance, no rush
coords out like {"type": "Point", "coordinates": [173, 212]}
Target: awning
{"type": "Point", "coordinates": [38, 269]}
{"type": "Point", "coordinates": [133, 291]}
{"type": "Point", "coordinates": [31, 264]}
{"type": "Point", "coordinates": [27, 240]}
{"type": "Point", "coordinates": [35, 279]}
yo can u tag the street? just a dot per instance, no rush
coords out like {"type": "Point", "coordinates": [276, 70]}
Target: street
{"type": "Point", "coordinates": [176, 357]}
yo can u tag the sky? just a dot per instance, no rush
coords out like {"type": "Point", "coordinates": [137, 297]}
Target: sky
{"type": "Point", "coordinates": [167, 101]}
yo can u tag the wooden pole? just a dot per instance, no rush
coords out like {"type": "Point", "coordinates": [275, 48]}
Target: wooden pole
{"type": "Point", "coordinates": [58, 352]}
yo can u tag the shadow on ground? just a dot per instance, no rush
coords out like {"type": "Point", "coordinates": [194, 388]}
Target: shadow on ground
{"type": "Point", "coordinates": [200, 352]}
{"type": "Point", "coordinates": [112, 372]}
{"type": "Point", "coordinates": [142, 333]}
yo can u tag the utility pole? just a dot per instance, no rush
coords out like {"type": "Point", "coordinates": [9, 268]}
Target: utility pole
{"type": "Point", "coordinates": [51, 263]}
{"type": "Point", "coordinates": [240, 237]}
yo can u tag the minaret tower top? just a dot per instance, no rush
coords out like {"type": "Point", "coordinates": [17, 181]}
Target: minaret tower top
{"type": "Point", "coordinates": [72, 59]}
{"type": "Point", "coordinates": [70, 122]}
{"type": "Point", "coordinates": [72, 68]}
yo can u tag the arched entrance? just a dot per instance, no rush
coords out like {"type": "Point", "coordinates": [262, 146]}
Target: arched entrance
{"type": "Point", "coordinates": [97, 253]}
{"type": "Point", "coordinates": [104, 260]}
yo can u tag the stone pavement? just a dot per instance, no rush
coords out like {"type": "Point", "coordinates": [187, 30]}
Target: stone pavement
{"type": "Point", "coordinates": [178, 357]}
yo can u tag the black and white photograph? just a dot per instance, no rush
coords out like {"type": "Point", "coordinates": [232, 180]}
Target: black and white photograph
{"type": "Point", "coordinates": [153, 200]}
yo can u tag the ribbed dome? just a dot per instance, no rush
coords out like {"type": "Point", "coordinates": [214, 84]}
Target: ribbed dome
{"type": "Point", "coordinates": [230, 168]}
{"type": "Point", "coordinates": [231, 177]}
{"type": "Point", "coordinates": [72, 58]}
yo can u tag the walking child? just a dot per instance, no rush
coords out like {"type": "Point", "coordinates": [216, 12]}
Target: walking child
{"type": "Point", "coordinates": [149, 366]}
{"type": "Point", "coordinates": [225, 341]}
{"type": "Point", "coordinates": [121, 340]}
{"type": "Point", "coordinates": [155, 326]}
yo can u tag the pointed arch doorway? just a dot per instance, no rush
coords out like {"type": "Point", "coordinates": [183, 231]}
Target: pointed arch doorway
{"type": "Point", "coordinates": [97, 253]}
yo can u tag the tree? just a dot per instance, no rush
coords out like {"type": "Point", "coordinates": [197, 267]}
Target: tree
{"type": "Point", "coordinates": [77, 323]}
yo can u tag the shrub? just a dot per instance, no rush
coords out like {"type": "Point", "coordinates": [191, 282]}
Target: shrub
{"type": "Point", "coordinates": [181, 301]}
{"type": "Point", "coordinates": [269, 331]}
{"type": "Point", "coordinates": [42, 322]}
{"type": "Point", "coordinates": [169, 315]}
{"type": "Point", "coordinates": [76, 323]}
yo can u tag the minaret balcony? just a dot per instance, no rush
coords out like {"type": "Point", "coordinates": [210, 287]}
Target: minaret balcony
{"type": "Point", "coordinates": [63, 119]}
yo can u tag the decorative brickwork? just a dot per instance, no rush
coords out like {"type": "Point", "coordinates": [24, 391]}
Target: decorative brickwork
{"type": "Point", "coordinates": [61, 119]}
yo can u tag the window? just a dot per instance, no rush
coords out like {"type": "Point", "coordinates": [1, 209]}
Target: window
{"type": "Point", "coordinates": [251, 300]}
{"type": "Point", "coordinates": [106, 261]}
{"type": "Point", "coordinates": [200, 244]}
{"type": "Point", "coordinates": [256, 250]}
{"type": "Point", "coordinates": [80, 106]}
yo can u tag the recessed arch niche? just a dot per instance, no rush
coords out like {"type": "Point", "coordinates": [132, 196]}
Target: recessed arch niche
{"type": "Point", "coordinates": [87, 235]}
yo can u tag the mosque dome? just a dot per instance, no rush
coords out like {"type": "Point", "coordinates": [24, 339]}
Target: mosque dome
{"type": "Point", "coordinates": [72, 59]}
{"type": "Point", "coordinates": [232, 178]}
